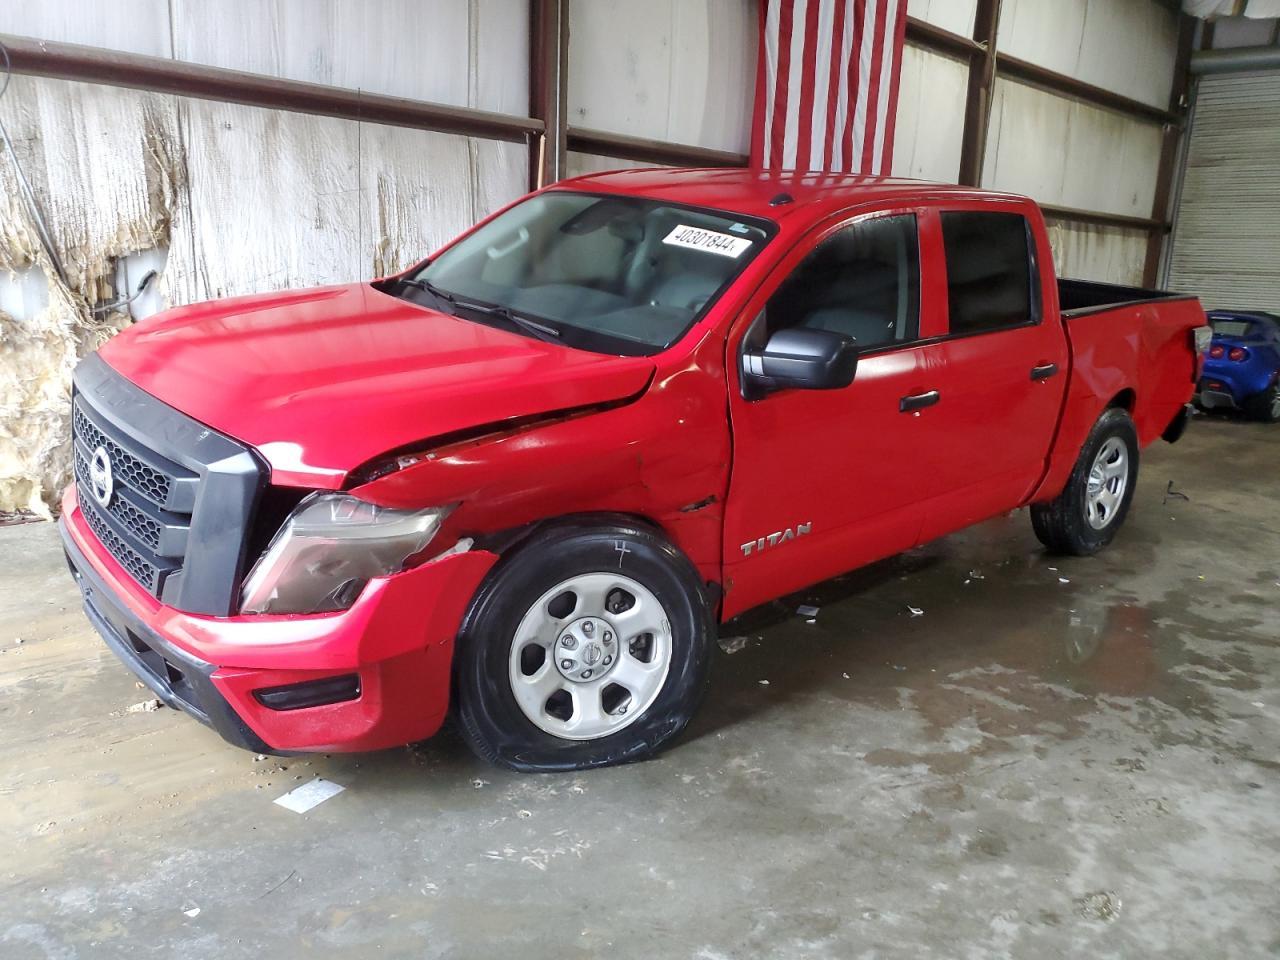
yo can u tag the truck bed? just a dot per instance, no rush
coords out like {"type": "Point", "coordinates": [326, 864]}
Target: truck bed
{"type": "Point", "coordinates": [1077, 298]}
{"type": "Point", "coordinates": [1129, 346]}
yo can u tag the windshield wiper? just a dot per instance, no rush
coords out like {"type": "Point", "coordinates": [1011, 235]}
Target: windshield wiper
{"type": "Point", "coordinates": [537, 330]}
{"type": "Point", "coordinates": [428, 287]}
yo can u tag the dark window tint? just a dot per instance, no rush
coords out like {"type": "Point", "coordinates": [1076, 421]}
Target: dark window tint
{"type": "Point", "coordinates": [988, 271]}
{"type": "Point", "coordinates": [863, 281]}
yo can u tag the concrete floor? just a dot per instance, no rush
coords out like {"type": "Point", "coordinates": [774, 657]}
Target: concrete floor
{"type": "Point", "coordinates": [1059, 757]}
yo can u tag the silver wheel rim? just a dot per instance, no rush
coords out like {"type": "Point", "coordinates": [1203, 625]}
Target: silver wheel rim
{"type": "Point", "coordinates": [1275, 404]}
{"type": "Point", "coordinates": [590, 656]}
{"type": "Point", "coordinates": [1108, 479]}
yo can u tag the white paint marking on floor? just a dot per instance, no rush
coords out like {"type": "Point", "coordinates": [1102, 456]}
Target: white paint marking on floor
{"type": "Point", "coordinates": [303, 798]}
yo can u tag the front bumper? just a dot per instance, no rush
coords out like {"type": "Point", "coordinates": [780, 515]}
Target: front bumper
{"type": "Point", "coordinates": [397, 638]}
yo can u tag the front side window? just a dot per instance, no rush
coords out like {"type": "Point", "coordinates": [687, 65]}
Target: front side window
{"type": "Point", "coordinates": [862, 281]}
{"type": "Point", "coordinates": [989, 271]}
{"type": "Point", "coordinates": [607, 273]}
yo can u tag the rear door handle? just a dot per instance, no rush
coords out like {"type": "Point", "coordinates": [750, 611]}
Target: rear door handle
{"type": "Point", "coordinates": [918, 401]}
{"type": "Point", "coordinates": [1044, 371]}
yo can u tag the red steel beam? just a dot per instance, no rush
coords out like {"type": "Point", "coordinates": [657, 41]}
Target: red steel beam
{"type": "Point", "coordinates": [72, 61]}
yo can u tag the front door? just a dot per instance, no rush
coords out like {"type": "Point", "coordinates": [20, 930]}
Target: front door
{"type": "Point", "coordinates": [827, 480]}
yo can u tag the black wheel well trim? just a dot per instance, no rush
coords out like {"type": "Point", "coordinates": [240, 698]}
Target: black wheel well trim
{"type": "Point", "coordinates": [503, 542]}
{"type": "Point", "coordinates": [1126, 400]}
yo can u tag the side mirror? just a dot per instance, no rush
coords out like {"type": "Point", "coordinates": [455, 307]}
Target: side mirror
{"type": "Point", "coordinates": [801, 359]}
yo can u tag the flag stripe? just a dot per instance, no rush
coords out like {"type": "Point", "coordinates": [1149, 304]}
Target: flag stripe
{"type": "Point", "coordinates": [782, 62]}
{"type": "Point", "coordinates": [839, 46]}
{"type": "Point", "coordinates": [796, 65]}
{"type": "Point", "coordinates": [895, 86]}
{"type": "Point", "coordinates": [827, 85]}
{"type": "Point", "coordinates": [808, 80]}
{"type": "Point", "coordinates": [870, 128]}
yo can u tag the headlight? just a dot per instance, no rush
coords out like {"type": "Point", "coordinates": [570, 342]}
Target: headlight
{"type": "Point", "coordinates": [329, 547]}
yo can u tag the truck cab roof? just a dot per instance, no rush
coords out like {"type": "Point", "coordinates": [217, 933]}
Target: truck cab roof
{"type": "Point", "coordinates": [760, 193]}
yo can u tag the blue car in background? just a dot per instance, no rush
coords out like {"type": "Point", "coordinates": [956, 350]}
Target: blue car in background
{"type": "Point", "coordinates": [1242, 367]}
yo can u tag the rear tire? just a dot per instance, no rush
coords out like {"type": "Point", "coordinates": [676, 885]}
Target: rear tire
{"type": "Point", "coordinates": [587, 646]}
{"type": "Point", "coordinates": [1084, 518]}
{"type": "Point", "coordinates": [1265, 406]}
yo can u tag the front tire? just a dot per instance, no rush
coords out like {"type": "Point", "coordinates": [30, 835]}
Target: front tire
{"type": "Point", "coordinates": [586, 646]}
{"type": "Point", "coordinates": [1084, 518]}
{"type": "Point", "coordinates": [1265, 406]}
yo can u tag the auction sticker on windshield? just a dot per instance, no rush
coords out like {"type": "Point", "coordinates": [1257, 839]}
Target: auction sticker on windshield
{"type": "Point", "coordinates": [695, 238]}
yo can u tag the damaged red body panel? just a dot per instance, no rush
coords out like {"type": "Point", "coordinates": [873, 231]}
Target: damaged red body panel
{"type": "Point", "coordinates": [405, 407]}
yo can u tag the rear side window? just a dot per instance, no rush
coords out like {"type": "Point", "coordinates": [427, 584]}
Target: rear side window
{"type": "Point", "coordinates": [862, 281]}
{"type": "Point", "coordinates": [989, 271]}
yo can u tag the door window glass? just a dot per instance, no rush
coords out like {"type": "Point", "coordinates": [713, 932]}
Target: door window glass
{"type": "Point", "coordinates": [862, 281]}
{"type": "Point", "coordinates": [989, 270]}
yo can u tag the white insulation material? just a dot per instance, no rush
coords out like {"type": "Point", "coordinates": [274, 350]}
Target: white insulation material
{"type": "Point", "coordinates": [106, 173]}
{"type": "Point", "coordinates": [679, 70]}
{"type": "Point", "coordinates": [245, 200]}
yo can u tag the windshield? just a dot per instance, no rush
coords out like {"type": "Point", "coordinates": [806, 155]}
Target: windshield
{"type": "Point", "coordinates": [1231, 328]}
{"type": "Point", "coordinates": [605, 273]}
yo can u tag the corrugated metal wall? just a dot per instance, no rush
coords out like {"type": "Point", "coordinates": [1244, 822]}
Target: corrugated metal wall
{"type": "Point", "coordinates": [1226, 240]}
{"type": "Point", "coordinates": [1072, 154]}
{"type": "Point", "coordinates": [230, 199]}
{"type": "Point", "coordinates": [635, 69]}
{"type": "Point", "coordinates": [676, 70]}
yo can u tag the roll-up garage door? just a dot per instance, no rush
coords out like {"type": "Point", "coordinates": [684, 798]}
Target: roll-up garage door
{"type": "Point", "coordinates": [1226, 238]}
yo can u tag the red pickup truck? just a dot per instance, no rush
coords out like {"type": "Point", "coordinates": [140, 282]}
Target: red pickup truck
{"type": "Point", "coordinates": [530, 475]}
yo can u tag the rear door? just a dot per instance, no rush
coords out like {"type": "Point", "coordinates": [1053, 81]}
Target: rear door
{"type": "Point", "coordinates": [1004, 366]}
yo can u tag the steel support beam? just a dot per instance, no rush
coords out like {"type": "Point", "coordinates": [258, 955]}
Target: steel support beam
{"type": "Point", "coordinates": [643, 150]}
{"type": "Point", "coordinates": [1058, 83]}
{"type": "Point", "coordinates": [924, 34]}
{"type": "Point", "coordinates": [1171, 139]}
{"type": "Point", "coordinates": [72, 61]}
{"type": "Point", "coordinates": [938, 40]}
{"type": "Point", "coordinates": [1102, 219]}
{"type": "Point", "coordinates": [977, 107]}
{"type": "Point", "coordinates": [548, 89]}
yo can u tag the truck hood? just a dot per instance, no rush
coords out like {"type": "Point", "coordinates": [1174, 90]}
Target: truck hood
{"type": "Point", "coordinates": [323, 380]}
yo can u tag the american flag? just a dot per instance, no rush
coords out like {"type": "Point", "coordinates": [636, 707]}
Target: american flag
{"type": "Point", "coordinates": [827, 85]}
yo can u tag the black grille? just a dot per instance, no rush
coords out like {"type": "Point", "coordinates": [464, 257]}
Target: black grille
{"type": "Point", "coordinates": [134, 520]}
{"type": "Point", "coordinates": [182, 497]}
{"type": "Point", "coordinates": [131, 526]}
{"type": "Point", "coordinates": [148, 481]}
{"type": "Point", "coordinates": [147, 574]}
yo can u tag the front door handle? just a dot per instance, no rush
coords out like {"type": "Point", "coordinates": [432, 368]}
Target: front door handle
{"type": "Point", "coordinates": [918, 401]}
{"type": "Point", "coordinates": [1044, 371]}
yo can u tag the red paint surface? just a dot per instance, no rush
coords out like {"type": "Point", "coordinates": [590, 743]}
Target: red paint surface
{"type": "Point", "coordinates": [323, 381]}
{"type": "Point", "coordinates": [398, 636]}
{"type": "Point", "coordinates": [320, 381]}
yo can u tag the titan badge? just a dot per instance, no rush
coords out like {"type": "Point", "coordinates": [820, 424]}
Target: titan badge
{"type": "Point", "coordinates": [776, 539]}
